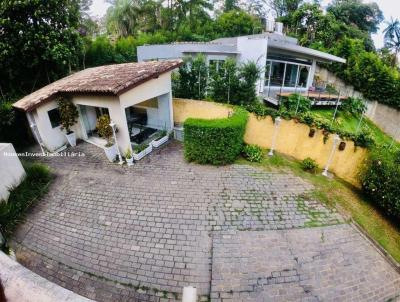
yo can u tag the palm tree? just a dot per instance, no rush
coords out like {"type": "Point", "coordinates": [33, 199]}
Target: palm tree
{"type": "Point", "coordinates": [122, 18]}
{"type": "Point", "coordinates": [392, 38]}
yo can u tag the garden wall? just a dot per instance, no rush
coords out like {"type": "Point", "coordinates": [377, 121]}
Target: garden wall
{"type": "Point", "coordinates": [292, 139]}
{"type": "Point", "coordinates": [11, 170]}
{"type": "Point", "coordinates": [387, 118]}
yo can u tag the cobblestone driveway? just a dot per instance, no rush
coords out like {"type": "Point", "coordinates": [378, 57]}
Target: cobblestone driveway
{"type": "Point", "coordinates": [238, 233]}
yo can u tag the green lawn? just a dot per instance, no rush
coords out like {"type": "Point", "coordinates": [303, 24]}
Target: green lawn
{"type": "Point", "coordinates": [347, 199]}
{"type": "Point", "coordinates": [349, 122]}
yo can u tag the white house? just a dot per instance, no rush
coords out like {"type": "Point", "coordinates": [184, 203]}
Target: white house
{"type": "Point", "coordinates": [136, 96]}
{"type": "Point", "coordinates": [285, 66]}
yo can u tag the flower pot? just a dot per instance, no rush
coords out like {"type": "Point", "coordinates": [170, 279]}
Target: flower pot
{"type": "Point", "coordinates": [111, 152]}
{"type": "Point", "coordinates": [140, 155]}
{"type": "Point", "coordinates": [160, 141]}
{"type": "Point", "coordinates": [129, 161]}
{"type": "Point", "coordinates": [71, 138]}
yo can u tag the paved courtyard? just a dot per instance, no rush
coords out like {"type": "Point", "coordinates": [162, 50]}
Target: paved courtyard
{"type": "Point", "coordinates": [236, 233]}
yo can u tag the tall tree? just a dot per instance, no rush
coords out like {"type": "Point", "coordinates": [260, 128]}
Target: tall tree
{"type": "Point", "coordinates": [366, 16]}
{"type": "Point", "coordinates": [284, 7]}
{"type": "Point", "coordinates": [39, 42]}
{"type": "Point", "coordinates": [230, 5]}
{"type": "Point", "coordinates": [392, 39]}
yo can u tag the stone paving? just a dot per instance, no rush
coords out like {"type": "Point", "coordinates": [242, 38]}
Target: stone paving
{"type": "Point", "coordinates": [141, 233]}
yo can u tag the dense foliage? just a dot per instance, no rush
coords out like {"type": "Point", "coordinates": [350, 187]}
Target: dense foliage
{"type": "Point", "coordinates": [253, 153]}
{"type": "Point", "coordinates": [345, 30]}
{"type": "Point", "coordinates": [217, 141]}
{"type": "Point", "coordinates": [380, 180]}
{"type": "Point", "coordinates": [225, 83]}
{"type": "Point", "coordinates": [39, 42]}
{"type": "Point", "coordinates": [21, 198]}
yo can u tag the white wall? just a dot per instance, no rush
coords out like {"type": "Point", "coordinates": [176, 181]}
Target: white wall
{"type": "Point", "coordinates": [53, 138]}
{"type": "Point", "coordinates": [11, 172]}
{"type": "Point", "coordinates": [254, 50]}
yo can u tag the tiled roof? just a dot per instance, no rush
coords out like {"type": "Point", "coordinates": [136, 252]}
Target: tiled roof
{"type": "Point", "coordinates": [108, 79]}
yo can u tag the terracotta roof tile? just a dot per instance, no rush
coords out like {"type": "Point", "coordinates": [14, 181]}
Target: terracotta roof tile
{"type": "Point", "coordinates": [109, 79]}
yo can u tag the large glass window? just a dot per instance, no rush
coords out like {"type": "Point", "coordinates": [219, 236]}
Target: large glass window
{"type": "Point", "coordinates": [277, 73]}
{"type": "Point", "coordinates": [286, 74]}
{"type": "Point", "coordinates": [303, 76]}
{"type": "Point", "coordinates": [291, 75]}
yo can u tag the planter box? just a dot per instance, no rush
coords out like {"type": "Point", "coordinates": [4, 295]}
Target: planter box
{"type": "Point", "coordinates": [71, 138]}
{"type": "Point", "coordinates": [111, 152]}
{"type": "Point", "coordinates": [129, 161]}
{"type": "Point", "coordinates": [139, 156]}
{"type": "Point", "coordinates": [160, 141]}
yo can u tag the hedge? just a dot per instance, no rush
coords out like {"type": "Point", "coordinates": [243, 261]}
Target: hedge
{"type": "Point", "coordinates": [380, 179]}
{"type": "Point", "coordinates": [215, 141]}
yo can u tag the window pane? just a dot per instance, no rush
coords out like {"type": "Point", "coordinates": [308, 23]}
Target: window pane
{"type": "Point", "coordinates": [54, 116]}
{"type": "Point", "coordinates": [303, 76]}
{"type": "Point", "coordinates": [291, 75]}
{"type": "Point", "coordinates": [277, 72]}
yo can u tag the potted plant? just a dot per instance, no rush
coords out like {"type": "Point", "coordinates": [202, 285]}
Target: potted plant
{"type": "Point", "coordinates": [104, 129]}
{"type": "Point", "coordinates": [68, 115]}
{"type": "Point", "coordinates": [128, 157]}
{"type": "Point", "coordinates": [160, 139]}
{"type": "Point", "coordinates": [141, 151]}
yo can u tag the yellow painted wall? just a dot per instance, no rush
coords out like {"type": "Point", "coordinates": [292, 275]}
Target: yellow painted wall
{"type": "Point", "coordinates": [184, 109]}
{"type": "Point", "coordinates": [292, 138]}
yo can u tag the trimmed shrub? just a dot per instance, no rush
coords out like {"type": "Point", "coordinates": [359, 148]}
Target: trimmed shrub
{"type": "Point", "coordinates": [380, 179]}
{"type": "Point", "coordinates": [309, 165]}
{"type": "Point", "coordinates": [216, 141]}
{"type": "Point", "coordinates": [253, 153]}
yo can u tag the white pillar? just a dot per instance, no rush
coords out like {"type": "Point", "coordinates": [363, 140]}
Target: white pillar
{"type": "Point", "coordinates": [189, 294]}
{"type": "Point", "coordinates": [113, 126]}
{"type": "Point", "coordinates": [311, 74]}
{"type": "Point", "coordinates": [336, 140]}
{"type": "Point", "coordinates": [274, 136]}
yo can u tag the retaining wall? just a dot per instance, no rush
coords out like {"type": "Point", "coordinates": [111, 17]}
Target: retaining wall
{"type": "Point", "coordinates": [293, 138]}
{"type": "Point", "coordinates": [11, 170]}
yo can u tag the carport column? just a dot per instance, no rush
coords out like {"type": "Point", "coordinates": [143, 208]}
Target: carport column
{"type": "Point", "coordinates": [113, 127]}
{"type": "Point", "coordinates": [117, 115]}
{"type": "Point", "coordinates": [336, 140]}
{"type": "Point", "coordinates": [165, 108]}
{"type": "Point", "coordinates": [274, 136]}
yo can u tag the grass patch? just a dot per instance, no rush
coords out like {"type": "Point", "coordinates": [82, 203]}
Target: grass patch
{"type": "Point", "coordinates": [344, 197]}
{"type": "Point", "coordinates": [34, 186]}
{"type": "Point", "coordinates": [349, 123]}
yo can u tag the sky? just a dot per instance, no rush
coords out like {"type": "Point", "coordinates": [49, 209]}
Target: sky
{"type": "Point", "coordinates": [390, 8]}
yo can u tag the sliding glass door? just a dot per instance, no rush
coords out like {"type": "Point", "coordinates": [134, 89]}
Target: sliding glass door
{"type": "Point", "coordinates": [283, 74]}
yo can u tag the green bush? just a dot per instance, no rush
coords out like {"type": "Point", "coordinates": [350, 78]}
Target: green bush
{"type": "Point", "coordinates": [295, 102]}
{"type": "Point", "coordinates": [380, 179]}
{"type": "Point", "coordinates": [309, 165]}
{"type": "Point", "coordinates": [216, 141]}
{"type": "Point", "coordinates": [22, 197]}
{"type": "Point", "coordinates": [253, 153]}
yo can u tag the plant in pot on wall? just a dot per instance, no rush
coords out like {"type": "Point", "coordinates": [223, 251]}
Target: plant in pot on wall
{"type": "Point", "coordinates": [105, 131]}
{"type": "Point", "coordinates": [128, 157]}
{"type": "Point", "coordinates": [68, 115]}
{"type": "Point", "coordinates": [161, 138]}
{"type": "Point", "coordinates": [141, 151]}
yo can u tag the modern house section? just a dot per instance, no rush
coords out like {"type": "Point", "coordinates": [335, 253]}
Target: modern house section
{"type": "Point", "coordinates": [286, 67]}
{"type": "Point", "coordinates": [136, 96]}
